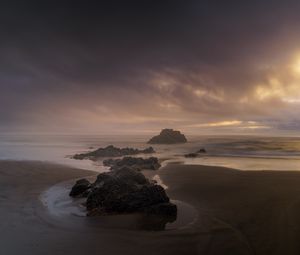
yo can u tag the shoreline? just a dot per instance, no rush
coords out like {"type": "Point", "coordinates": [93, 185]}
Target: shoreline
{"type": "Point", "coordinates": [239, 212]}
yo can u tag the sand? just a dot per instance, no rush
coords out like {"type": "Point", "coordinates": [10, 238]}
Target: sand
{"type": "Point", "coordinates": [239, 212]}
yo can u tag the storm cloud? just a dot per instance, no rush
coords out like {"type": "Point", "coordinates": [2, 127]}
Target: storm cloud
{"type": "Point", "coordinates": [144, 65]}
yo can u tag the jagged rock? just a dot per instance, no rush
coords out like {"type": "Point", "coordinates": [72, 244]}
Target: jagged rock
{"type": "Point", "coordinates": [136, 163]}
{"type": "Point", "coordinates": [120, 196]}
{"type": "Point", "coordinates": [130, 175]}
{"type": "Point", "coordinates": [148, 150]}
{"type": "Point", "coordinates": [107, 195]}
{"type": "Point", "coordinates": [80, 187]}
{"type": "Point", "coordinates": [112, 151]}
{"type": "Point", "coordinates": [168, 136]}
{"type": "Point", "coordinates": [126, 190]}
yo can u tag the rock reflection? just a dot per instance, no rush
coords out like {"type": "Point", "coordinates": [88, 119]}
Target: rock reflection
{"type": "Point", "coordinates": [154, 222]}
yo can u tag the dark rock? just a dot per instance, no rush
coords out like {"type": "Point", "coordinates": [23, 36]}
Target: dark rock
{"type": "Point", "coordinates": [80, 187]}
{"type": "Point", "coordinates": [117, 182]}
{"type": "Point", "coordinates": [86, 193]}
{"type": "Point", "coordinates": [101, 178]}
{"type": "Point", "coordinates": [191, 155]}
{"type": "Point", "coordinates": [194, 155]}
{"type": "Point", "coordinates": [107, 196]}
{"type": "Point", "coordinates": [142, 198]}
{"type": "Point", "coordinates": [111, 151]}
{"type": "Point", "coordinates": [131, 175]}
{"type": "Point", "coordinates": [110, 162]}
{"type": "Point", "coordinates": [168, 136]}
{"type": "Point", "coordinates": [148, 150]}
{"type": "Point", "coordinates": [119, 196]}
{"type": "Point", "coordinates": [125, 190]}
{"type": "Point", "coordinates": [127, 174]}
{"type": "Point", "coordinates": [202, 150]}
{"type": "Point", "coordinates": [133, 162]}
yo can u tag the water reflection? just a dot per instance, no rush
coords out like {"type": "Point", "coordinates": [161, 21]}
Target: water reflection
{"type": "Point", "coordinates": [155, 222]}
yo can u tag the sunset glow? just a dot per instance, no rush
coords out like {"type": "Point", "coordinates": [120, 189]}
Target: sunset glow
{"type": "Point", "coordinates": [179, 75]}
{"type": "Point", "coordinates": [142, 127]}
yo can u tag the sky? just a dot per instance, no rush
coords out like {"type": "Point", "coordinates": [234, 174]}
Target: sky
{"type": "Point", "coordinates": [204, 67]}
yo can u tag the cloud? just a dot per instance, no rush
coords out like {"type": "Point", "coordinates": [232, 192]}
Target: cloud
{"type": "Point", "coordinates": [134, 66]}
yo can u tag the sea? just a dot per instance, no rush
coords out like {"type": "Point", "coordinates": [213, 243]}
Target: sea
{"type": "Point", "coordinates": [240, 152]}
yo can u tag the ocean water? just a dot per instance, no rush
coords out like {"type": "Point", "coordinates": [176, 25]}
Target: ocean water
{"type": "Point", "coordinates": [241, 152]}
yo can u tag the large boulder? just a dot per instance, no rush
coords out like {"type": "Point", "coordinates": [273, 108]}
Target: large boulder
{"type": "Point", "coordinates": [133, 162]}
{"type": "Point", "coordinates": [120, 196]}
{"type": "Point", "coordinates": [106, 196]}
{"type": "Point", "coordinates": [112, 151]}
{"type": "Point", "coordinates": [126, 190]}
{"type": "Point", "coordinates": [168, 136]}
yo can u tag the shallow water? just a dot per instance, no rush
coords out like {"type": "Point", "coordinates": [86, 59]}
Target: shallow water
{"type": "Point", "coordinates": [242, 152]}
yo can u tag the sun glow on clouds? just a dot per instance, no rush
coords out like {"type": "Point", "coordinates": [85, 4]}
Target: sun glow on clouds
{"type": "Point", "coordinates": [194, 101]}
{"type": "Point", "coordinates": [221, 123]}
{"type": "Point", "coordinates": [286, 93]}
{"type": "Point", "coordinates": [169, 106]}
{"type": "Point", "coordinates": [231, 123]}
{"type": "Point", "coordinates": [295, 67]}
{"type": "Point", "coordinates": [201, 93]}
{"type": "Point", "coordinates": [199, 101]}
{"type": "Point", "coordinates": [282, 84]}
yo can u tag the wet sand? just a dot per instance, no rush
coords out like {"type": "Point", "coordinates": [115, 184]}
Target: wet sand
{"type": "Point", "coordinates": [239, 212]}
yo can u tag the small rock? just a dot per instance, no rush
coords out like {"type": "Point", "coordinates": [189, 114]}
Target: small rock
{"type": "Point", "coordinates": [191, 155]}
{"type": "Point", "coordinates": [81, 186]}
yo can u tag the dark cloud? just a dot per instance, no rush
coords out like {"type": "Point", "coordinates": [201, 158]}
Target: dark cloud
{"type": "Point", "coordinates": [146, 62]}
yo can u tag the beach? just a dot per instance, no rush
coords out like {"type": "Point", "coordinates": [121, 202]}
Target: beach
{"type": "Point", "coordinates": [238, 212]}
{"type": "Point", "coordinates": [150, 127]}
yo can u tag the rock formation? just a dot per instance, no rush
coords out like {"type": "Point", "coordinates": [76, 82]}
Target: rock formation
{"type": "Point", "coordinates": [168, 136]}
{"type": "Point", "coordinates": [112, 151]}
{"type": "Point", "coordinates": [125, 190]}
{"type": "Point", "coordinates": [135, 163]}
